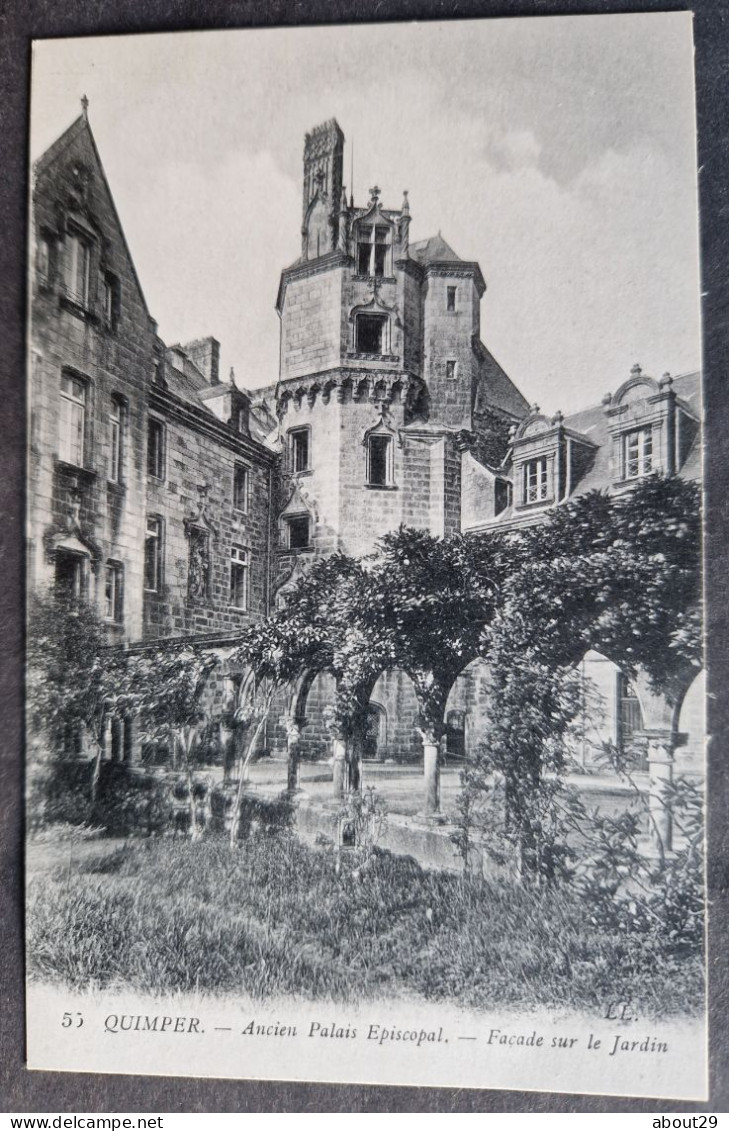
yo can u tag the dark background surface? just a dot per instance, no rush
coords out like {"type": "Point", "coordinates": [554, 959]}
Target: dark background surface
{"type": "Point", "coordinates": [20, 22]}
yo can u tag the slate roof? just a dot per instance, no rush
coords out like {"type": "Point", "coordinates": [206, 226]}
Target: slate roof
{"type": "Point", "coordinates": [433, 250]}
{"type": "Point", "coordinates": [496, 385]}
{"type": "Point", "coordinates": [592, 423]}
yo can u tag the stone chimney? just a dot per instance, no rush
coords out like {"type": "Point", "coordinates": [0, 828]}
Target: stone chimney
{"type": "Point", "coordinates": [205, 354]}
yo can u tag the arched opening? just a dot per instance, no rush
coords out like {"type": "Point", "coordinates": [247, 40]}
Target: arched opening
{"type": "Point", "coordinates": [374, 747]}
{"type": "Point", "coordinates": [467, 712]}
{"type": "Point", "coordinates": [611, 717]}
{"type": "Point", "coordinates": [393, 697]}
{"type": "Point", "coordinates": [690, 753]}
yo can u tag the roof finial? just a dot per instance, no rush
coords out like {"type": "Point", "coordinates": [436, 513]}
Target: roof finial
{"type": "Point", "coordinates": [375, 194]}
{"type": "Point", "coordinates": [231, 377]}
{"type": "Point", "coordinates": [405, 203]}
{"type": "Point", "coordinates": [84, 106]}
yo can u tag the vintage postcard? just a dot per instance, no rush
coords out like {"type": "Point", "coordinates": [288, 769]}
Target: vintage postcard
{"type": "Point", "coordinates": [365, 695]}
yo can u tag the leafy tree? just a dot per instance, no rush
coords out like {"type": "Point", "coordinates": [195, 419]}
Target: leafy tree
{"type": "Point", "coordinates": [75, 682]}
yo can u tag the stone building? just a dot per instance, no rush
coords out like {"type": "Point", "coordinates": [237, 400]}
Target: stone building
{"type": "Point", "coordinates": [150, 488]}
{"type": "Point", "coordinates": [183, 507]}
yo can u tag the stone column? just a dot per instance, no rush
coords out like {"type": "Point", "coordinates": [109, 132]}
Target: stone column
{"type": "Point", "coordinates": [340, 776]}
{"type": "Point", "coordinates": [117, 740]}
{"type": "Point", "coordinates": [431, 772]}
{"type": "Point", "coordinates": [293, 738]}
{"type": "Point", "coordinates": [660, 775]}
{"type": "Point", "coordinates": [131, 741]}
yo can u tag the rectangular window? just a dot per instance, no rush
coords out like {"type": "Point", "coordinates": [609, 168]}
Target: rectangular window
{"type": "Point", "coordinates": [114, 592]}
{"type": "Point", "coordinates": [70, 576]}
{"type": "Point", "coordinates": [300, 449]}
{"type": "Point", "coordinates": [110, 301]}
{"type": "Point", "coordinates": [451, 298]}
{"type": "Point", "coordinates": [299, 532]}
{"type": "Point", "coordinates": [239, 577]}
{"type": "Point", "coordinates": [44, 261]}
{"type": "Point", "coordinates": [535, 480]}
{"type": "Point", "coordinates": [240, 487]}
{"type": "Point", "coordinates": [379, 461]}
{"type": "Point", "coordinates": [77, 269]}
{"type": "Point", "coordinates": [451, 370]}
{"type": "Point", "coordinates": [116, 441]}
{"type": "Point", "coordinates": [501, 496]}
{"type": "Point", "coordinates": [153, 555]}
{"type": "Point", "coordinates": [381, 249]}
{"type": "Point", "coordinates": [637, 453]}
{"type": "Point", "coordinates": [156, 448]}
{"type": "Point", "coordinates": [72, 420]}
{"type": "Point", "coordinates": [364, 252]}
{"type": "Point", "coordinates": [370, 334]}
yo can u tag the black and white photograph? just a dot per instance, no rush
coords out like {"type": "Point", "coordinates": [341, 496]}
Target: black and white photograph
{"type": "Point", "coordinates": [365, 679]}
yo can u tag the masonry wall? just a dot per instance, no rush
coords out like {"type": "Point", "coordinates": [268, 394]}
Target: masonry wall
{"type": "Point", "coordinates": [448, 336]}
{"type": "Point", "coordinates": [199, 458]}
{"type": "Point", "coordinates": [311, 325]}
{"type": "Point", "coordinates": [111, 361]}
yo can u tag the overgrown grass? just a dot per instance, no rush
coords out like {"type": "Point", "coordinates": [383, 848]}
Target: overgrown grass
{"type": "Point", "coordinates": [272, 917]}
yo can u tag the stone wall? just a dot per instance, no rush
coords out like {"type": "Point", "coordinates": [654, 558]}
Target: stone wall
{"type": "Point", "coordinates": [206, 457]}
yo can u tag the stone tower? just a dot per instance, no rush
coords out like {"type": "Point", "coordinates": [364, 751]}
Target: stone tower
{"type": "Point", "coordinates": [384, 385]}
{"type": "Point", "coordinates": [323, 158]}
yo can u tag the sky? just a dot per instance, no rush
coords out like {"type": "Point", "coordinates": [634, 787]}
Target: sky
{"type": "Point", "coordinates": [558, 152]}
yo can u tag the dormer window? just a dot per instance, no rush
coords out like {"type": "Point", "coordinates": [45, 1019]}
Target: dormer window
{"type": "Point", "coordinates": [637, 453]}
{"type": "Point", "coordinates": [373, 250]}
{"type": "Point", "coordinates": [535, 487]}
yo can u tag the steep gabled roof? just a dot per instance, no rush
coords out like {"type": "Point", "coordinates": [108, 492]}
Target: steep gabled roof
{"type": "Point", "coordinates": [81, 130]}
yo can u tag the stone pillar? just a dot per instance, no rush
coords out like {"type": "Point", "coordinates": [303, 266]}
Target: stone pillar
{"type": "Point", "coordinates": [340, 775]}
{"type": "Point", "coordinates": [293, 738]}
{"type": "Point", "coordinates": [131, 741]}
{"type": "Point", "coordinates": [117, 740]}
{"type": "Point", "coordinates": [660, 775]}
{"type": "Point", "coordinates": [431, 772]}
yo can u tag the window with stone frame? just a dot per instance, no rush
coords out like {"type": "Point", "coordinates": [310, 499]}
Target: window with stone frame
{"type": "Point", "coordinates": [110, 300]}
{"type": "Point", "coordinates": [114, 592]}
{"type": "Point", "coordinates": [116, 440]}
{"type": "Point", "coordinates": [240, 487]}
{"type": "Point", "coordinates": [380, 461]}
{"type": "Point", "coordinates": [155, 448]}
{"type": "Point", "coordinates": [637, 453]}
{"type": "Point", "coordinates": [374, 243]}
{"type": "Point", "coordinates": [450, 298]}
{"type": "Point", "coordinates": [45, 260]}
{"type": "Point", "coordinates": [238, 577]}
{"type": "Point", "coordinates": [451, 370]}
{"type": "Point", "coordinates": [72, 419]}
{"type": "Point", "coordinates": [77, 269]}
{"type": "Point", "coordinates": [153, 554]}
{"type": "Point", "coordinates": [70, 575]}
{"type": "Point", "coordinates": [535, 485]}
{"type": "Point", "coordinates": [371, 334]}
{"type": "Point", "coordinates": [300, 449]}
{"type": "Point", "coordinates": [298, 531]}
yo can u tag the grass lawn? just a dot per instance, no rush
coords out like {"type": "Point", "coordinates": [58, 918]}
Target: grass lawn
{"type": "Point", "coordinates": [272, 917]}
